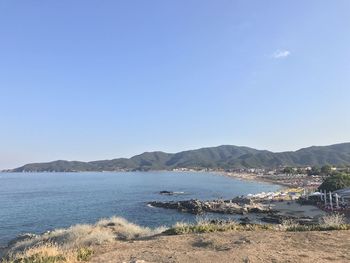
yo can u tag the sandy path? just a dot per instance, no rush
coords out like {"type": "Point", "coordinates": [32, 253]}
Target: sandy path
{"type": "Point", "coordinates": [260, 246]}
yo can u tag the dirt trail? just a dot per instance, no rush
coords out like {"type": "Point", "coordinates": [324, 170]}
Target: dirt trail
{"type": "Point", "coordinates": [258, 246]}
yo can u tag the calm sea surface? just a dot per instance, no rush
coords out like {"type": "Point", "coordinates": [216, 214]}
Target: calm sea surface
{"type": "Point", "coordinates": [37, 202]}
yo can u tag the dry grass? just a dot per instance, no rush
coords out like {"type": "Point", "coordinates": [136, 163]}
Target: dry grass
{"type": "Point", "coordinates": [288, 224]}
{"type": "Point", "coordinates": [74, 237]}
{"type": "Point", "coordinates": [126, 230]}
{"type": "Point", "coordinates": [328, 222]}
{"type": "Point", "coordinates": [50, 253]}
{"type": "Point", "coordinates": [333, 220]}
{"type": "Point", "coordinates": [204, 226]}
{"type": "Point", "coordinates": [81, 236]}
{"type": "Point", "coordinates": [73, 244]}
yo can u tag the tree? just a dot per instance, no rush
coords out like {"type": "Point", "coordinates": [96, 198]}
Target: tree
{"type": "Point", "coordinates": [326, 170]}
{"type": "Point", "coordinates": [288, 170]}
{"type": "Point", "coordinates": [314, 171]}
{"type": "Point", "coordinates": [300, 171]}
{"type": "Point", "coordinates": [335, 182]}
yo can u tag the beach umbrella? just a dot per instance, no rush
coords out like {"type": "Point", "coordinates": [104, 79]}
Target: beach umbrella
{"type": "Point", "coordinates": [315, 194]}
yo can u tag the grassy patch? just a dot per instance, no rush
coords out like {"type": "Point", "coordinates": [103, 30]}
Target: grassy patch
{"type": "Point", "coordinates": [73, 244]}
{"type": "Point", "coordinates": [38, 259]}
{"type": "Point", "coordinates": [209, 228]}
{"type": "Point", "coordinates": [327, 223]}
{"type": "Point", "coordinates": [300, 228]}
{"type": "Point", "coordinates": [83, 235]}
{"type": "Point", "coordinates": [84, 254]}
{"type": "Point", "coordinates": [183, 228]}
{"type": "Point", "coordinates": [125, 230]}
{"type": "Point", "coordinates": [50, 253]}
{"type": "Point", "coordinates": [333, 220]}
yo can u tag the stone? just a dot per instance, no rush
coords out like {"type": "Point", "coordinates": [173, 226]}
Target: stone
{"type": "Point", "coordinates": [196, 207]}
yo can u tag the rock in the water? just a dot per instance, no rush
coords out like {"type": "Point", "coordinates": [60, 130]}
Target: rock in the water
{"type": "Point", "coordinates": [166, 193]}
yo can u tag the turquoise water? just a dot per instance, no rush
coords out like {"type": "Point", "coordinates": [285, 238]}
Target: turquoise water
{"type": "Point", "coordinates": [37, 202]}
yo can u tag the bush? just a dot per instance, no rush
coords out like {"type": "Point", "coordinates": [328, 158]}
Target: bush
{"type": "Point", "coordinates": [50, 253]}
{"type": "Point", "coordinates": [288, 224]}
{"type": "Point", "coordinates": [333, 220]}
{"type": "Point", "coordinates": [327, 223]}
{"type": "Point", "coordinates": [125, 230]}
{"type": "Point", "coordinates": [78, 236]}
{"type": "Point", "coordinates": [301, 228]}
{"type": "Point", "coordinates": [208, 227]}
{"type": "Point", "coordinates": [47, 253]}
{"type": "Point", "coordinates": [336, 182]}
{"type": "Point", "coordinates": [84, 254]}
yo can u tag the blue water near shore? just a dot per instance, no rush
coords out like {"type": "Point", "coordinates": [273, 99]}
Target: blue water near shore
{"type": "Point", "coordinates": [38, 202]}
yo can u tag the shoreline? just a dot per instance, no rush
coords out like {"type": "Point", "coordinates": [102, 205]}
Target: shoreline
{"type": "Point", "coordinates": [252, 177]}
{"type": "Point", "coordinates": [238, 176]}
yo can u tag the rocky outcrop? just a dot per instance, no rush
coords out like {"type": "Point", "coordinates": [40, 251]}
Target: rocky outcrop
{"type": "Point", "coordinates": [18, 239]}
{"type": "Point", "coordinates": [21, 238]}
{"type": "Point", "coordinates": [194, 206]}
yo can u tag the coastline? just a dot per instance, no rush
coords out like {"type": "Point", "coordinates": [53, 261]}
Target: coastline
{"type": "Point", "coordinates": [252, 177]}
{"type": "Point", "coordinates": [195, 184]}
{"type": "Point", "coordinates": [309, 183]}
{"type": "Point", "coordinates": [131, 239]}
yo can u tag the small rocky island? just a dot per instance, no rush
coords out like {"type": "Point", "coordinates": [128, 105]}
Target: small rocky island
{"type": "Point", "coordinates": [165, 192]}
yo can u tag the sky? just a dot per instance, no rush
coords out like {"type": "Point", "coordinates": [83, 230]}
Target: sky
{"type": "Point", "coordinates": [90, 80]}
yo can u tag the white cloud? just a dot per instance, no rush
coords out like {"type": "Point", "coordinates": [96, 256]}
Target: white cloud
{"type": "Point", "coordinates": [281, 54]}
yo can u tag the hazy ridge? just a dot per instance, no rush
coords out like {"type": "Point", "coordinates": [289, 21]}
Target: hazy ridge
{"type": "Point", "coordinates": [221, 157]}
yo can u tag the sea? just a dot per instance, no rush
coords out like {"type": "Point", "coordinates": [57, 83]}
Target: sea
{"type": "Point", "coordinates": [40, 202]}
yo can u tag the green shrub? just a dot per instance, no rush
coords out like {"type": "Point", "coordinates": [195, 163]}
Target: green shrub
{"type": "Point", "coordinates": [50, 253]}
{"type": "Point", "coordinates": [84, 254]}
{"type": "Point", "coordinates": [327, 223]}
{"type": "Point", "coordinates": [182, 228]}
{"type": "Point", "coordinates": [336, 182]}
{"type": "Point", "coordinates": [333, 220]}
{"type": "Point", "coordinates": [38, 259]}
{"type": "Point", "coordinates": [301, 228]}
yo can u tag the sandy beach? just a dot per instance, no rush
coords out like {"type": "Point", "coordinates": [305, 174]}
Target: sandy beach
{"type": "Point", "coordinates": [288, 181]}
{"type": "Point", "coordinates": [252, 177]}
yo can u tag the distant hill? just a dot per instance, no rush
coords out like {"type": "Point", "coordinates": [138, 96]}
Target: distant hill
{"type": "Point", "coordinates": [225, 157]}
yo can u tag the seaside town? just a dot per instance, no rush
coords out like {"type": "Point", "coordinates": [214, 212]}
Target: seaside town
{"type": "Point", "coordinates": [306, 177]}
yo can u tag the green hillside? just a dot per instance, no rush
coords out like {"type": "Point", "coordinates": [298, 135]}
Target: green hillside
{"type": "Point", "coordinates": [225, 157]}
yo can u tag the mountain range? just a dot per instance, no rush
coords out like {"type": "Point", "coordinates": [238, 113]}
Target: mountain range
{"type": "Point", "coordinates": [221, 157]}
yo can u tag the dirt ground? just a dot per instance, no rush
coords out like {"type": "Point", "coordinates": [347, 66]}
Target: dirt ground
{"type": "Point", "coordinates": [257, 246]}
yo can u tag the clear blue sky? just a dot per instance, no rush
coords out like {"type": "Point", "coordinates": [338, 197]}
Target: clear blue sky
{"type": "Point", "coordinates": [87, 80]}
